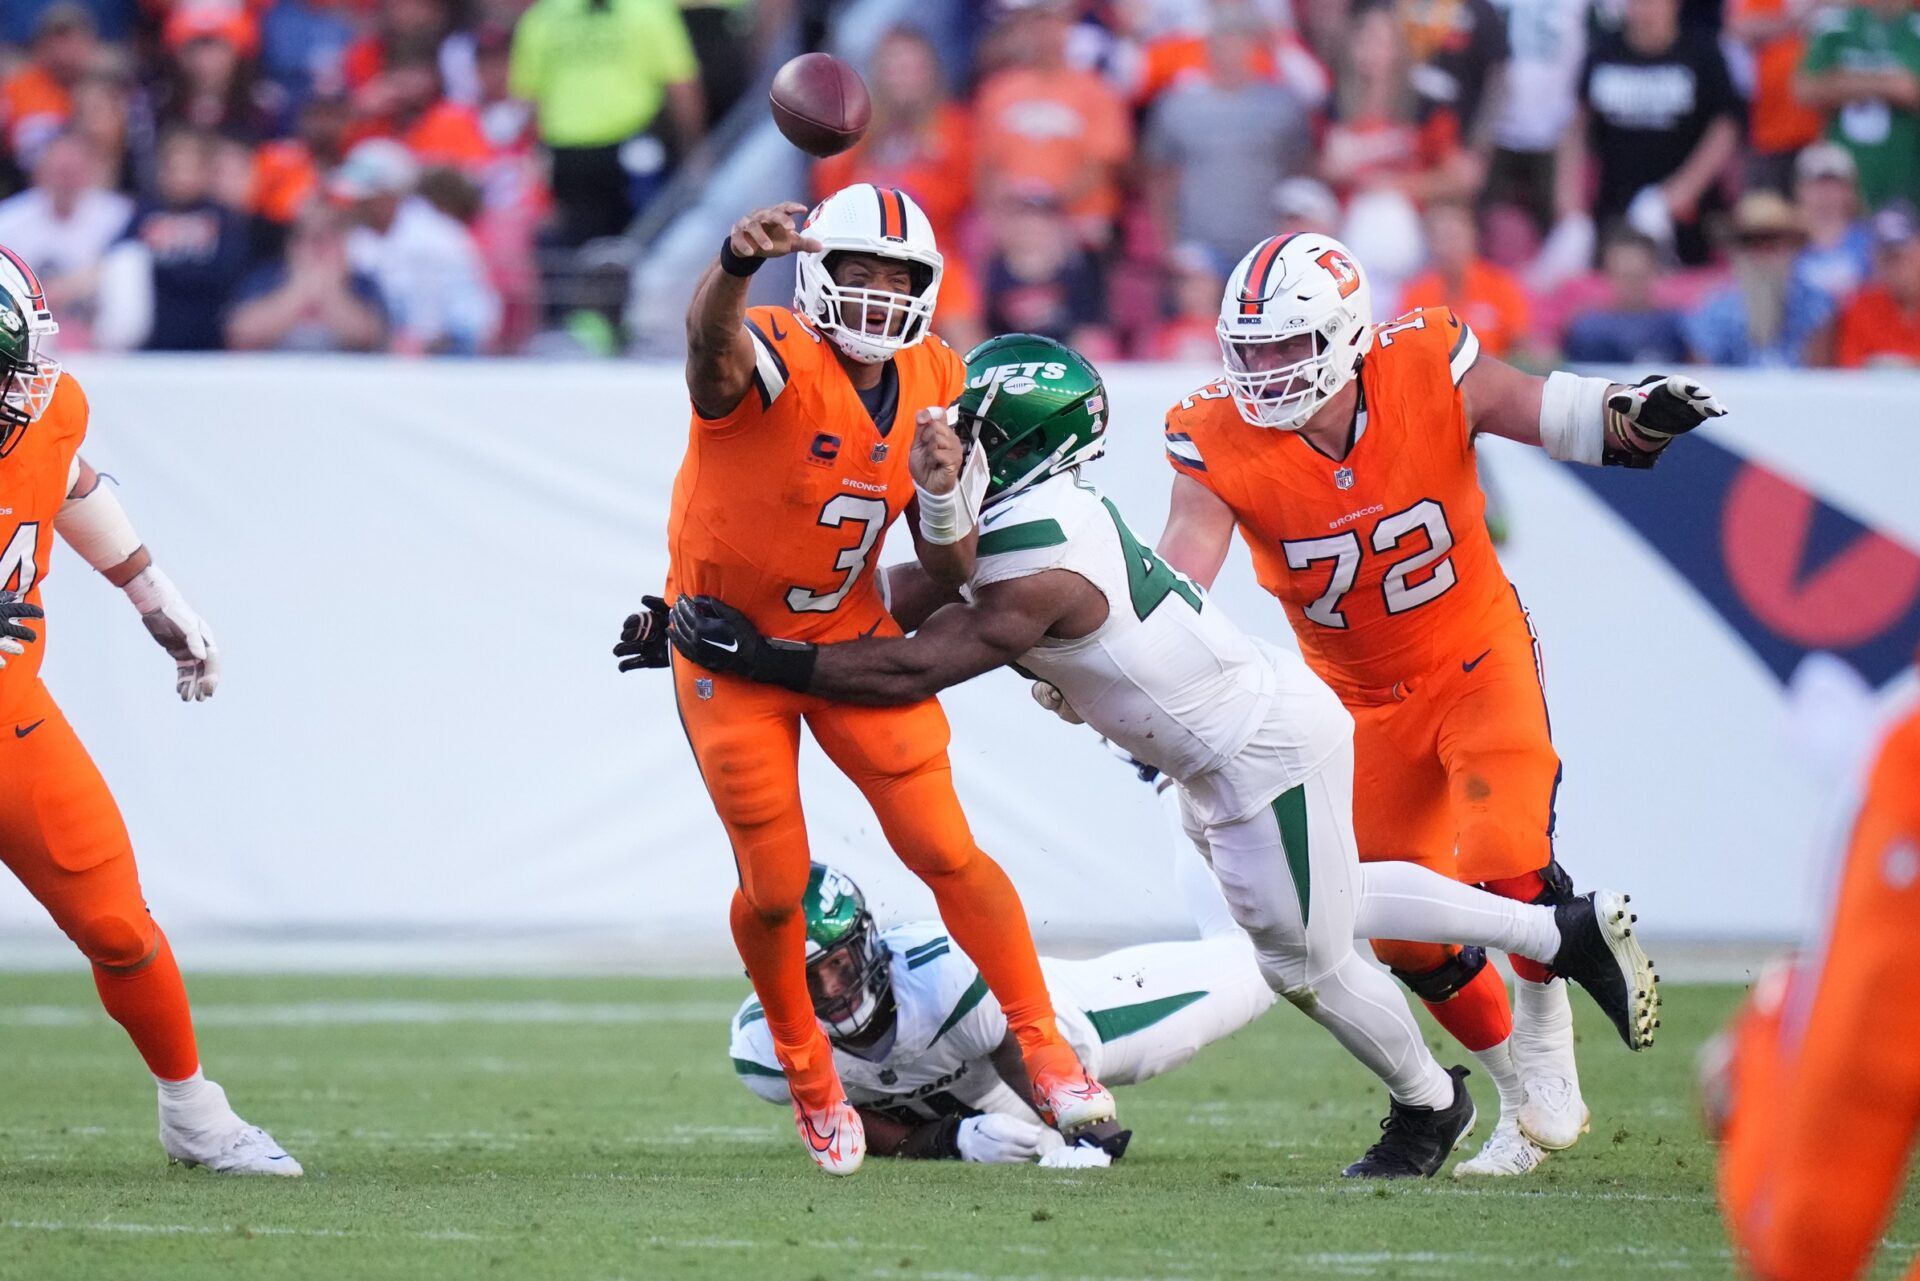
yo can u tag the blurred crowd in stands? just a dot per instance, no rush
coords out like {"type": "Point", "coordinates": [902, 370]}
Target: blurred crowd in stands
{"type": "Point", "coordinates": [1725, 181]}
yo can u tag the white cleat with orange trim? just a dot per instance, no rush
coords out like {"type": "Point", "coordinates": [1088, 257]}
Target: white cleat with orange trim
{"type": "Point", "coordinates": [834, 1136]}
{"type": "Point", "coordinates": [1072, 1101]}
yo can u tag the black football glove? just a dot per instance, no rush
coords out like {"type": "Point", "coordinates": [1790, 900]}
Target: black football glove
{"type": "Point", "coordinates": [1662, 406]}
{"type": "Point", "coordinates": [14, 638]}
{"type": "Point", "coordinates": [643, 637]}
{"type": "Point", "coordinates": [720, 638]}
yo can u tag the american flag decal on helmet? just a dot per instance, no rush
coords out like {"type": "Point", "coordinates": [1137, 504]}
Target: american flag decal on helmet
{"type": "Point", "coordinates": [1254, 290]}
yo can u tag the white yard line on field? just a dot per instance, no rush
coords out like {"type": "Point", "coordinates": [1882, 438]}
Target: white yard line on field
{"type": "Point", "coordinates": [233, 1229]}
{"type": "Point", "coordinates": [368, 1013]}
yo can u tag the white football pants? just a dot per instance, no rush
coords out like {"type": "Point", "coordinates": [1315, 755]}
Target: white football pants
{"type": "Point", "coordinates": [1292, 877]}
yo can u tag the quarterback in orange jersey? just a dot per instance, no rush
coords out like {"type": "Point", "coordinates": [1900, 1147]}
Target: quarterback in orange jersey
{"type": "Point", "coordinates": [1820, 1093]}
{"type": "Point", "coordinates": [60, 831]}
{"type": "Point", "coordinates": [813, 428]}
{"type": "Point", "coordinates": [1343, 452]}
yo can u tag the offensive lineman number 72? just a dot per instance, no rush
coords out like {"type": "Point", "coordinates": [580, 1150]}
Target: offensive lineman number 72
{"type": "Point", "coordinates": [1344, 551]}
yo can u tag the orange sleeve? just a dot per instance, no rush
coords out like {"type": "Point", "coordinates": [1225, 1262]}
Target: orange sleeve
{"type": "Point", "coordinates": [1837, 1135]}
{"type": "Point", "coordinates": [1112, 136]}
{"type": "Point", "coordinates": [1439, 138]}
{"type": "Point", "coordinates": [1850, 344]}
{"type": "Point", "coordinates": [783, 350]}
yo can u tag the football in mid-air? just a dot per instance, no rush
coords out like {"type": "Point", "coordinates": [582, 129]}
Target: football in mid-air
{"type": "Point", "coordinates": [820, 104]}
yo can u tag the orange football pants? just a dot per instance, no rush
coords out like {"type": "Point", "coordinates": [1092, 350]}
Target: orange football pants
{"type": "Point", "coordinates": [1456, 771]}
{"type": "Point", "coordinates": [746, 740]}
{"type": "Point", "coordinates": [61, 833]}
{"type": "Point", "coordinates": [1826, 1076]}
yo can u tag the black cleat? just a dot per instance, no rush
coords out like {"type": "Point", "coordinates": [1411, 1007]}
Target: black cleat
{"type": "Point", "coordinates": [1415, 1142]}
{"type": "Point", "coordinates": [1599, 952]}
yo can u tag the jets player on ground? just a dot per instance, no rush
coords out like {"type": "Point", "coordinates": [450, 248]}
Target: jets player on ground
{"type": "Point", "coordinates": [1261, 748]}
{"type": "Point", "coordinates": [1344, 452]}
{"type": "Point", "coordinates": [924, 1050]}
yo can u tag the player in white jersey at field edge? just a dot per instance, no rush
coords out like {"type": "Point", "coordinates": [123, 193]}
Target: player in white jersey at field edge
{"type": "Point", "coordinates": [1261, 749]}
{"type": "Point", "coordinates": [925, 1052]}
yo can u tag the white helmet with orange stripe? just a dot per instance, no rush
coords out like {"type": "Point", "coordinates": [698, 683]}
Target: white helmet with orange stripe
{"type": "Point", "coordinates": [1294, 323]}
{"type": "Point", "coordinates": [27, 374]}
{"type": "Point", "coordinates": [867, 317]}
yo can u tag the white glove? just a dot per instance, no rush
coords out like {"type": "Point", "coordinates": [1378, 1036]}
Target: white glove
{"type": "Point", "coordinates": [1649, 214]}
{"type": "Point", "coordinates": [993, 1138]}
{"type": "Point", "coordinates": [180, 631]}
{"type": "Point", "coordinates": [1050, 697]}
{"type": "Point", "coordinates": [1080, 1156]}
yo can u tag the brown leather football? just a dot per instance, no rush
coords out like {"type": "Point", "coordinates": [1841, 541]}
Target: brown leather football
{"type": "Point", "coordinates": [820, 104]}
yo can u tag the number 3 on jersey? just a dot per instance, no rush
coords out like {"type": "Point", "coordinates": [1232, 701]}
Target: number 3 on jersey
{"type": "Point", "coordinates": [843, 509]}
{"type": "Point", "coordinates": [1345, 552]}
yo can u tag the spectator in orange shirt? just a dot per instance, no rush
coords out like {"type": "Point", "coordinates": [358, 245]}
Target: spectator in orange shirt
{"type": "Point", "coordinates": [918, 141]}
{"type": "Point", "coordinates": [1881, 326]}
{"type": "Point", "coordinates": [1486, 296]}
{"type": "Point", "coordinates": [436, 130]}
{"type": "Point", "coordinates": [1778, 123]}
{"type": "Point", "coordinates": [286, 173]}
{"type": "Point", "coordinates": [1042, 123]}
{"type": "Point", "coordinates": [1382, 136]}
{"type": "Point", "coordinates": [1178, 55]}
{"type": "Point", "coordinates": [37, 99]}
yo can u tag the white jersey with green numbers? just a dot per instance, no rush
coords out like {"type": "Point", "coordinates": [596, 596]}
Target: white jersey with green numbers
{"type": "Point", "coordinates": [1167, 676]}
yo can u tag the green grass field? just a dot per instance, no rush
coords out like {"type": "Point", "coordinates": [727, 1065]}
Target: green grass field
{"type": "Point", "coordinates": [591, 1128]}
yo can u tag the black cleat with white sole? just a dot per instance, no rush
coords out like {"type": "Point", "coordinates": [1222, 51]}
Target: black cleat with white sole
{"type": "Point", "coordinates": [1598, 951]}
{"type": "Point", "coordinates": [1415, 1142]}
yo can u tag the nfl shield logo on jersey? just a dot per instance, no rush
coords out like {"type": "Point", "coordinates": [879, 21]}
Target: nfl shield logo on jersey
{"type": "Point", "coordinates": [1343, 478]}
{"type": "Point", "coordinates": [879, 454]}
{"type": "Point", "coordinates": [703, 686]}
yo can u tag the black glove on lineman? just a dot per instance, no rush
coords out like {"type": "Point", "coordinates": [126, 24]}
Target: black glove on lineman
{"type": "Point", "coordinates": [1662, 406]}
{"type": "Point", "coordinates": [643, 637]}
{"type": "Point", "coordinates": [13, 637]}
{"type": "Point", "coordinates": [720, 638]}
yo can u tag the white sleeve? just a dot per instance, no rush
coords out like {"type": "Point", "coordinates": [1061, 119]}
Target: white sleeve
{"type": "Point", "coordinates": [754, 1060]}
{"type": "Point", "coordinates": [975, 1024]}
{"type": "Point", "coordinates": [123, 318]}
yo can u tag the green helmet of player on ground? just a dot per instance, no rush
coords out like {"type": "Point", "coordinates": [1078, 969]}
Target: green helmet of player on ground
{"type": "Point", "coordinates": [848, 975]}
{"type": "Point", "coordinates": [1036, 406]}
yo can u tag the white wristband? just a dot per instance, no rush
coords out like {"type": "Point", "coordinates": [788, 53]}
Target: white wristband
{"type": "Point", "coordinates": [150, 590]}
{"type": "Point", "coordinates": [943, 519]}
{"type": "Point", "coordinates": [96, 526]}
{"type": "Point", "coordinates": [1573, 417]}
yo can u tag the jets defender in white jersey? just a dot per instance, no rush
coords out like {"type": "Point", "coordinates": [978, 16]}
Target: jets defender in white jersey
{"type": "Point", "coordinates": [1261, 749]}
{"type": "Point", "coordinates": [925, 1052]}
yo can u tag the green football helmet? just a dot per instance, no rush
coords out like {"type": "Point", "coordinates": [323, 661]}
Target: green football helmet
{"type": "Point", "coordinates": [1036, 406]}
{"type": "Point", "coordinates": [848, 975]}
{"type": "Point", "coordinates": [27, 376]}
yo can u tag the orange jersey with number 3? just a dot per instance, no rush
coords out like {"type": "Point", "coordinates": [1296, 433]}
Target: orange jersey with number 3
{"type": "Point", "coordinates": [1382, 558]}
{"type": "Point", "coordinates": [35, 476]}
{"type": "Point", "coordinates": [781, 507]}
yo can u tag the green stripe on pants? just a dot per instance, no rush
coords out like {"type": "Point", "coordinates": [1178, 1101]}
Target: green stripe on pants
{"type": "Point", "coordinates": [1290, 807]}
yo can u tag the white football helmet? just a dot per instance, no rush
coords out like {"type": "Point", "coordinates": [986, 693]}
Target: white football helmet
{"type": "Point", "coordinates": [27, 374]}
{"type": "Point", "coordinates": [1295, 321]}
{"type": "Point", "coordinates": [869, 325]}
